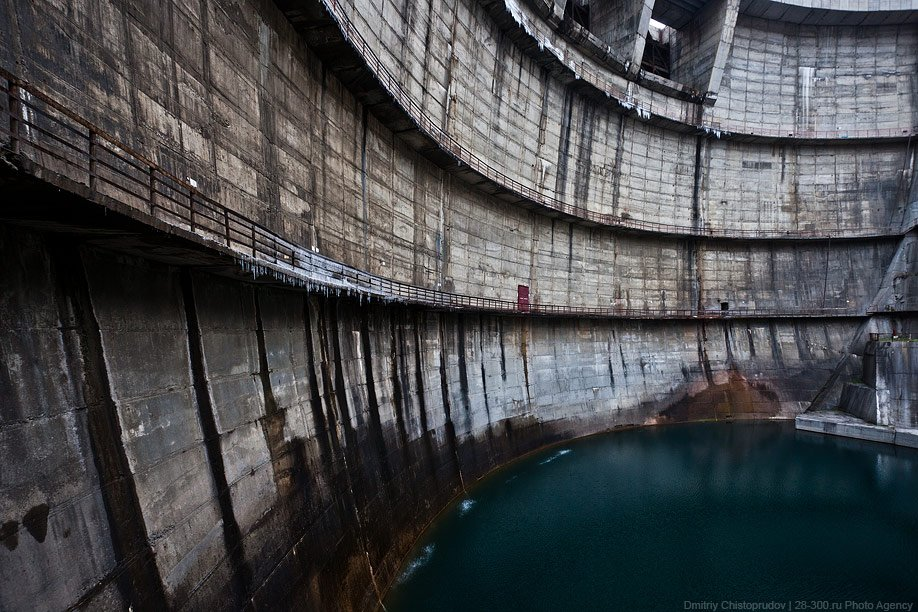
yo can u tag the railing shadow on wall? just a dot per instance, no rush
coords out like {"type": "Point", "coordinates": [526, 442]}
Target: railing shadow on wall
{"type": "Point", "coordinates": [403, 97]}
{"type": "Point", "coordinates": [46, 133]}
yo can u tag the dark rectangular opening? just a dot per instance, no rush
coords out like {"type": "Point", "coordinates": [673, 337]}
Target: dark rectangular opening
{"type": "Point", "coordinates": [579, 11]}
{"type": "Point", "coordinates": [725, 305]}
{"type": "Point", "coordinates": [656, 57]}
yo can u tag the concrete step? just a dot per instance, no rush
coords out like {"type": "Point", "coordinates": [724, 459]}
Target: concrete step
{"type": "Point", "coordinates": [839, 423]}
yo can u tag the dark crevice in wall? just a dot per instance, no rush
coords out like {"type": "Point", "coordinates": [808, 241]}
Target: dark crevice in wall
{"type": "Point", "coordinates": [609, 361]}
{"type": "Point", "coordinates": [422, 399]}
{"type": "Point", "coordinates": [353, 496]}
{"type": "Point", "coordinates": [484, 389]}
{"type": "Point", "coordinates": [776, 352]}
{"type": "Point", "coordinates": [803, 346]}
{"type": "Point", "coordinates": [564, 144]}
{"type": "Point", "coordinates": [617, 170]}
{"type": "Point", "coordinates": [447, 410]}
{"type": "Point", "coordinates": [324, 435]}
{"type": "Point", "coordinates": [695, 261]}
{"type": "Point", "coordinates": [694, 247]}
{"type": "Point", "coordinates": [333, 419]}
{"type": "Point", "coordinates": [524, 353]}
{"type": "Point", "coordinates": [232, 536]}
{"type": "Point", "coordinates": [397, 380]}
{"type": "Point", "coordinates": [696, 185]}
{"type": "Point", "coordinates": [503, 353]}
{"type": "Point", "coordinates": [428, 57]}
{"type": "Point", "coordinates": [463, 372]}
{"type": "Point", "coordinates": [376, 432]}
{"type": "Point", "coordinates": [342, 485]}
{"type": "Point", "coordinates": [728, 343]}
{"type": "Point", "coordinates": [136, 573]}
{"type": "Point", "coordinates": [702, 335]}
{"type": "Point", "coordinates": [544, 113]}
{"type": "Point", "coordinates": [340, 389]}
{"type": "Point", "coordinates": [584, 170]}
{"type": "Point", "coordinates": [274, 420]}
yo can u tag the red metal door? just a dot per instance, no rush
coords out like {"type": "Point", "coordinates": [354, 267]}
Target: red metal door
{"type": "Point", "coordinates": [522, 298]}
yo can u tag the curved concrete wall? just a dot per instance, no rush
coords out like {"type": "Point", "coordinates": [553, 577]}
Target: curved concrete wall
{"type": "Point", "coordinates": [805, 78]}
{"type": "Point", "coordinates": [260, 125]}
{"type": "Point", "coordinates": [545, 132]}
{"type": "Point", "coordinates": [203, 441]}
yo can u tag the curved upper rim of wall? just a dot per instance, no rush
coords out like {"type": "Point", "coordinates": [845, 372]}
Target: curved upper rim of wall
{"type": "Point", "coordinates": [799, 12]}
{"type": "Point", "coordinates": [426, 135]}
{"type": "Point", "coordinates": [581, 56]}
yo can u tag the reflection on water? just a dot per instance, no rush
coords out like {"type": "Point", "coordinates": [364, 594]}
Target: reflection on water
{"type": "Point", "coordinates": [649, 519]}
{"type": "Point", "coordinates": [558, 454]}
{"type": "Point", "coordinates": [465, 506]}
{"type": "Point", "coordinates": [418, 562]}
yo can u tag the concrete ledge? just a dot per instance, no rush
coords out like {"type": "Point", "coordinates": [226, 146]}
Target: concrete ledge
{"type": "Point", "coordinates": [843, 424]}
{"type": "Point", "coordinates": [907, 437]}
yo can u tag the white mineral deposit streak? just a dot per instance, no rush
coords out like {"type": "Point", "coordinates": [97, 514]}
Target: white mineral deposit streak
{"type": "Point", "coordinates": [807, 75]}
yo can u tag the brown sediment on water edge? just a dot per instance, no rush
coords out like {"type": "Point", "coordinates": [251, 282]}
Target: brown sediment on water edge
{"type": "Point", "coordinates": [737, 398]}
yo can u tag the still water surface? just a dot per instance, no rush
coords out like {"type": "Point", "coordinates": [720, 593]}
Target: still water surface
{"type": "Point", "coordinates": [664, 518]}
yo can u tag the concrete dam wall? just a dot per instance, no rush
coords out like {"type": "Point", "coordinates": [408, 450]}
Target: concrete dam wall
{"type": "Point", "coordinates": [183, 439]}
{"type": "Point", "coordinates": [266, 403]}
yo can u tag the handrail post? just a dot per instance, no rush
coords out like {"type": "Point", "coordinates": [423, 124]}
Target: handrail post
{"type": "Point", "coordinates": [93, 182]}
{"type": "Point", "coordinates": [14, 109]}
{"type": "Point", "coordinates": [152, 191]}
{"type": "Point", "coordinates": [226, 225]}
{"type": "Point", "coordinates": [191, 208]}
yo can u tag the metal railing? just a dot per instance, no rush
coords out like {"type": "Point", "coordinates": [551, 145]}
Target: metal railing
{"type": "Point", "coordinates": [396, 88]}
{"type": "Point", "coordinates": [893, 337]}
{"type": "Point", "coordinates": [52, 137]}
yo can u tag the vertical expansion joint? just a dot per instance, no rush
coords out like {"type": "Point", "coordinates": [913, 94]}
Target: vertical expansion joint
{"type": "Point", "coordinates": [379, 440]}
{"type": "Point", "coordinates": [264, 373]}
{"type": "Point", "coordinates": [447, 410]}
{"type": "Point", "coordinates": [232, 535]}
{"type": "Point", "coordinates": [136, 573]}
{"type": "Point", "coordinates": [273, 423]}
{"type": "Point", "coordinates": [399, 391]}
{"type": "Point", "coordinates": [323, 431]}
{"type": "Point", "coordinates": [422, 399]}
{"type": "Point", "coordinates": [152, 190]}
